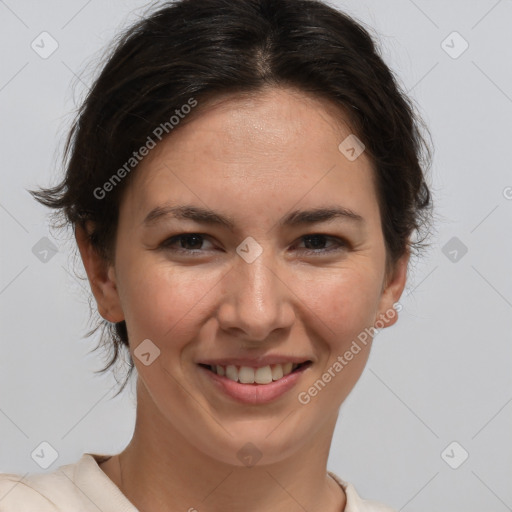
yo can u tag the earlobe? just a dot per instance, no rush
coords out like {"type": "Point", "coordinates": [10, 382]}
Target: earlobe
{"type": "Point", "coordinates": [388, 314]}
{"type": "Point", "coordinates": [101, 275]}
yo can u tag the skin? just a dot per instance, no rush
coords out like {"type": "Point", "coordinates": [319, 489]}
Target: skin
{"type": "Point", "coordinates": [254, 159]}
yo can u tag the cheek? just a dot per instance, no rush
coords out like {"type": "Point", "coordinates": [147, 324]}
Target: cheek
{"type": "Point", "coordinates": [345, 300]}
{"type": "Point", "coordinates": [342, 308]}
{"type": "Point", "coordinates": [170, 304]}
{"type": "Point", "coordinates": [164, 303]}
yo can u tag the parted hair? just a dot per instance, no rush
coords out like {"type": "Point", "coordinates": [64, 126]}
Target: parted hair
{"type": "Point", "coordinates": [202, 49]}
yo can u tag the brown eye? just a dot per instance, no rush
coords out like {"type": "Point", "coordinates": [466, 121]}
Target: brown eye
{"type": "Point", "coordinates": [185, 242]}
{"type": "Point", "coordinates": [315, 243]}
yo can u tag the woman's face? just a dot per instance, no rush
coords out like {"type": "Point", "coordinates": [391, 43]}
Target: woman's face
{"type": "Point", "coordinates": [261, 278]}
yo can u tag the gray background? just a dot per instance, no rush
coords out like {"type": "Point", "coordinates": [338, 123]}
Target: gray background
{"type": "Point", "coordinates": [442, 374]}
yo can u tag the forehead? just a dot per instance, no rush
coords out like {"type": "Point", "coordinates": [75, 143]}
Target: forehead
{"type": "Point", "coordinates": [277, 144]}
{"type": "Point", "coordinates": [270, 122]}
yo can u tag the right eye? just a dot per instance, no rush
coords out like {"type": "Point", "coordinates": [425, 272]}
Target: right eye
{"type": "Point", "coordinates": [188, 243]}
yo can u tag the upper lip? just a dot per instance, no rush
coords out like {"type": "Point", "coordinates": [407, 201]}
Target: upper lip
{"type": "Point", "coordinates": [254, 361]}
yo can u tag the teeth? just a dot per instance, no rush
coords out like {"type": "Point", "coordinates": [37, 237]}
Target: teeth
{"type": "Point", "coordinates": [263, 375]}
{"type": "Point", "coordinates": [277, 371]}
{"type": "Point", "coordinates": [232, 372]}
{"type": "Point", "coordinates": [248, 375]}
{"type": "Point", "coordinates": [287, 368]}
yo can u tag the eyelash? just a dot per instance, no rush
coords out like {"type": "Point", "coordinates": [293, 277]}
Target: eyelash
{"type": "Point", "coordinates": [167, 244]}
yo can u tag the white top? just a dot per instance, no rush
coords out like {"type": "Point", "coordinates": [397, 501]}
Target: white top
{"type": "Point", "coordinates": [84, 487]}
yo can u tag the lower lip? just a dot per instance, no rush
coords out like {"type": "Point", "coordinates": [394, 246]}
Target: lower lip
{"type": "Point", "coordinates": [255, 393]}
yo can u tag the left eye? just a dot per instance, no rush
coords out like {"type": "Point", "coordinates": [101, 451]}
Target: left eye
{"type": "Point", "coordinates": [317, 241]}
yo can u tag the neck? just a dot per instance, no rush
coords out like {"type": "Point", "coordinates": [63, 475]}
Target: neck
{"type": "Point", "coordinates": [161, 470]}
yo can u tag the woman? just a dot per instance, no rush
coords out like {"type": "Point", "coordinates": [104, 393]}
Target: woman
{"type": "Point", "coordinates": [244, 180]}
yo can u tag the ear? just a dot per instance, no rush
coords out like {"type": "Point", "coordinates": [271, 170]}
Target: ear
{"type": "Point", "coordinates": [391, 293]}
{"type": "Point", "coordinates": [101, 276]}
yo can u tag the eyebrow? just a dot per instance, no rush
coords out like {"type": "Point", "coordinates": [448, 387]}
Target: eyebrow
{"type": "Point", "coordinates": [207, 216]}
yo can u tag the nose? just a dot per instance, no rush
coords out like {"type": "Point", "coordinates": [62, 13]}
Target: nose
{"type": "Point", "coordinates": [257, 300]}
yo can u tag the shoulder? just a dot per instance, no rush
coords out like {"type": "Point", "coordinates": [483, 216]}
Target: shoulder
{"type": "Point", "coordinates": [20, 493]}
{"type": "Point", "coordinates": [355, 503]}
{"type": "Point", "coordinates": [44, 492]}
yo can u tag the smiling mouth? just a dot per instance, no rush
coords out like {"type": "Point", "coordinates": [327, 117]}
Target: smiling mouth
{"type": "Point", "coordinates": [262, 375]}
